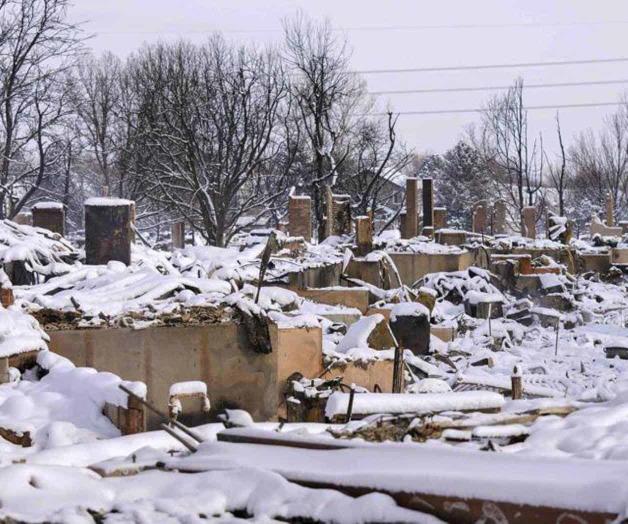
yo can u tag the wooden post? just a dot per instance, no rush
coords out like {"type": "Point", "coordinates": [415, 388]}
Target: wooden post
{"type": "Point", "coordinates": [135, 417]}
{"type": "Point", "coordinates": [4, 370]}
{"type": "Point", "coordinates": [397, 384]}
{"type": "Point", "coordinates": [516, 383]}
{"type": "Point", "coordinates": [6, 297]}
{"type": "Point", "coordinates": [427, 193]}
{"type": "Point", "coordinates": [350, 405]}
{"type": "Point", "coordinates": [177, 232]}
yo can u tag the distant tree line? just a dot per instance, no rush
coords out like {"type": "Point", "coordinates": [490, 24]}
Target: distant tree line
{"type": "Point", "coordinates": [499, 160]}
{"type": "Point", "coordinates": [218, 134]}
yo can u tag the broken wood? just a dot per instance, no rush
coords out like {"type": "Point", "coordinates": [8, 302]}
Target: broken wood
{"type": "Point", "coordinates": [516, 384]}
{"type": "Point", "coordinates": [271, 246]}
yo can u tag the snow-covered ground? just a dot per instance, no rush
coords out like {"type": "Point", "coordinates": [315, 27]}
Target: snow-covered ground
{"type": "Point", "coordinates": [569, 429]}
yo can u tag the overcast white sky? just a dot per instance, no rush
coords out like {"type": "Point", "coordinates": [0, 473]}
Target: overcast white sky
{"type": "Point", "coordinates": [555, 30]}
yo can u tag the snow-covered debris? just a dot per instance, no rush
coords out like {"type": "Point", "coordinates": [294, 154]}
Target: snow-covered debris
{"type": "Point", "coordinates": [430, 385]}
{"type": "Point", "coordinates": [594, 432]}
{"type": "Point", "coordinates": [66, 494]}
{"type": "Point", "coordinates": [115, 290]}
{"type": "Point", "coordinates": [20, 332]}
{"type": "Point", "coordinates": [63, 407]}
{"type": "Point", "coordinates": [372, 403]}
{"type": "Point", "coordinates": [39, 251]}
{"type": "Point", "coordinates": [454, 286]}
{"type": "Point", "coordinates": [358, 333]}
{"type": "Point", "coordinates": [236, 418]}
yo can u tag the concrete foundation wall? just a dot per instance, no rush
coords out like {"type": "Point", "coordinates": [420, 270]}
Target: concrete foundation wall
{"type": "Point", "coordinates": [413, 266]}
{"type": "Point", "coordinates": [218, 354]}
{"type": "Point", "coordinates": [349, 297]}
{"type": "Point", "coordinates": [315, 277]}
{"type": "Point", "coordinates": [378, 372]}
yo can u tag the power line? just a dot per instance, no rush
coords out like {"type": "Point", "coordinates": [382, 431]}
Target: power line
{"type": "Point", "coordinates": [495, 88]}
{"type": "Point", "coordinates": [490, 66]}
{"type": "Point", "coordinates": [531, 25]}
{"type": "Point", "coordinates": [524, 25]}
{"type": "Point", "coordinates": [453, 111]}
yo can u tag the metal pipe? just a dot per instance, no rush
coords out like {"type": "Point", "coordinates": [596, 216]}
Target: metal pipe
{"type": "Point", "coordinates": [176, 423]}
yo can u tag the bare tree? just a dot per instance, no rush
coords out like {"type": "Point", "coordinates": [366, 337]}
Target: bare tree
{"type": "Point", "coordinates": [369, 175]}
{"type": "Point", "coordinates": [558, 171]}
{"type": "Point", "coordinates": [600, 165]}
{"type": "Point", "coordinates": [98, 101]}
{"type": "Point", "coordinates": [515, 165]}
{"type": "Point", "coordinates": [209, 119]}
{"type": "Point", "coordinates": [37, 44]}
{"type": "Point", "coordinates": [327, 97]}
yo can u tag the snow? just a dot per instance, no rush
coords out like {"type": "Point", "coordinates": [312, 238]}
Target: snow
{"type": "Point", "coordinates": [358, 333]}
{"type": "Point", "coordinates": [369, 403]}
{"type": "Point", "coordinates": [46, 253]}
{"type": "Point", "coordinates": [597, 432]}
{"type": "Point", "coordinates": [157, 496]}
{"type": "Point", "coordinates": [238, 417]}
{"type": "Point", "coordinates": [48, 205]}
{"type": "Point", "coordinates": [107, 201]}
{"type": "Point", "coordinates": [430, 385]}
{"type": "Point", "coordinates": [478, 297]}
{"type": "Point", "coordinates": [115, 290]}
{"type": "Point", "coordinates": [554, 482]}
{"type": "Point", "coordinates": [19, 333]}
{"type": "Point", "coordinates": [190, 387]}
{"type": "Point", "coordinates": [408, 309]}
{"type": "Point", "coordinates": [65, 406]}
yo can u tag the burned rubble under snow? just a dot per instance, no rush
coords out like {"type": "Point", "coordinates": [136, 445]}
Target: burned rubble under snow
{"type": "Point", "coordinates": [429, 358]}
